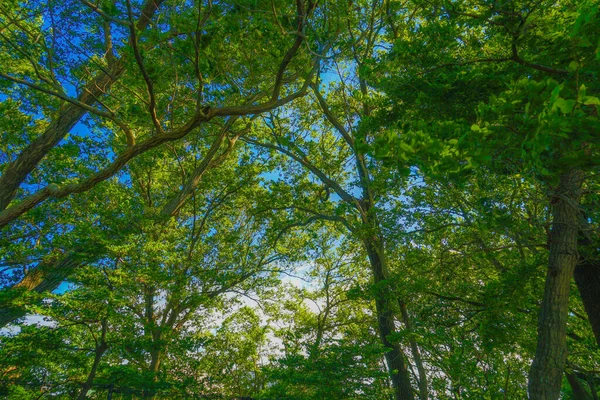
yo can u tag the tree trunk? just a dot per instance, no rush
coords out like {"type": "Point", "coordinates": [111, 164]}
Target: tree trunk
{"type": "Point", "coordinates": [546, 372]}
{"type": "Point", "coordinates": [385, 321]}
{"type": "Point", "coordinates": [414, 347]}
{"type": "Point", "coordinates": [100, 350]}
{"type": "Point", "coordinates": [579, 392]}
{"type": "Point", "coordinates": [587, 277]}
{"type": "Point", "coordinates": [155, 360]}
{"type": "Point", "coordinates": [153, 333]}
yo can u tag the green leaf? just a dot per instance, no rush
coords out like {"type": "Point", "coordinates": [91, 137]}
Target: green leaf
{"type": "Point", "coordinates": [573, 66]}
{"type": "Point", "coordinates": [566, 106]}
{"type": "Point", "coordinates": [590, 100]}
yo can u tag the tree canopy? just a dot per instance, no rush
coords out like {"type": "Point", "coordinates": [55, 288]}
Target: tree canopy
{"type": "Point", "coordinates": [300, 200]}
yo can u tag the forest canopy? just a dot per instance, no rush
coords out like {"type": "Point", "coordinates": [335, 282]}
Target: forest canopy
{"type": "Point", "coordinates": [319, 199]}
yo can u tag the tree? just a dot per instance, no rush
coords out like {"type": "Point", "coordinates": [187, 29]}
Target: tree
{"type": "Point", "coordinates": [374, 199]}
{"type": "Point", "coordinates": [328, 331]}
{"type": "Point", "coordinates": [160, 112]}
{"type": "Point", "coordinates": [551, 119]}
{"type": "Point", "coordinates": [159, 288]}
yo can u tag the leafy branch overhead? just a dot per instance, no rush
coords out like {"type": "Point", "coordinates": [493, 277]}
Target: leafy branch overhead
{"type": "Point", "coordinates": [373, 199]}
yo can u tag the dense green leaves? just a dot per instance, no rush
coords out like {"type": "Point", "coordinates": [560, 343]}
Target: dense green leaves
{"type": "Point", "coordinates": [299, 200]}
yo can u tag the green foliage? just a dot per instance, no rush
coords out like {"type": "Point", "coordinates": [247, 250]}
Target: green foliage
{"type": "Point", "coordinates": [260, 249]}
{"type": "Point", "coordinates": [342, 371]}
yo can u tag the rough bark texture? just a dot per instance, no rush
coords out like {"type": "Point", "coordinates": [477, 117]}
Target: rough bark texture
{"type": "Point", "coordinates": [546, 372]}
{"type": "Point", "coordinates": [385, 320]}
{"type": "Point", "coordinates": [587, 277]}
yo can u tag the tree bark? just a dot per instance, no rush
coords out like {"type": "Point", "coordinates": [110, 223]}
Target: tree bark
{"type": "Point", "coordinates": [546, 372]}
{"type": "Point", "coordinates": [414, 347]}
{"type": "Point", "coordinates": [587, 277]}
{"type": "Point", "coordinates": [579, 392]}
{"type": "Point", "coordinates": [385, 321]}
{"type": "Point", "coordinates": [98, 353]}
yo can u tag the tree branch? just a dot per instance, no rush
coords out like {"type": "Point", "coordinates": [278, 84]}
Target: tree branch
{"type": "Point", "coordinates": [320, 174]}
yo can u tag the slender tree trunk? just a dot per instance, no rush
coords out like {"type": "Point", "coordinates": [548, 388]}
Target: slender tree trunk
{"type": "Point", "coordinates": [579, 392]}
{"type": "Point", "coordinates": [153, 333]}
{"type": "Point", "coordinates": [414, 347]}
{"type": "Point", "coordinates": [155, 359]}
{"type": "Point", "coordinates": [385, 321]}
{"type": "Point", "coordinates": [546, 372]}
{"type": "Point", "coordinates": [315, 351]}
{"type": "Point", "coordinates": [155, 362]}
{"type": "Point", "coordinates": [587, 277]}
{"type": "Point", "coordinates": [100, 350]}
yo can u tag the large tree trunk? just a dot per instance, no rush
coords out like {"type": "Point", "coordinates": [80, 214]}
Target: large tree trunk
{"type": "Point", "coordinates": [385, 319]}
{"type": "Point", "coordinates": [547, 369]}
